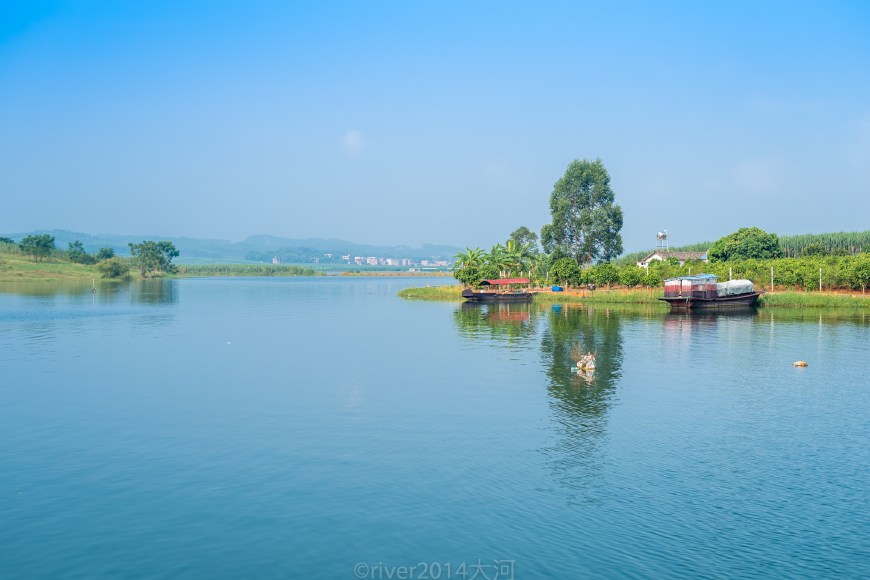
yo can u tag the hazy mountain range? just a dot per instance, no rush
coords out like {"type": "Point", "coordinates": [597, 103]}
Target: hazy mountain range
{"type": "Point", "coordinates": [258, 248]}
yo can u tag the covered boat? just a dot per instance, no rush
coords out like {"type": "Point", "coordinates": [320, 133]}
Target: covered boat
{"type": "Point", "coordinates": [502, 292]}
{"type": "Point", "coordinates": [705, 291]}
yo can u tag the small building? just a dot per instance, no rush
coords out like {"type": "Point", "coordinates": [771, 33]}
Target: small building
{"type": "Point", "coordinates": [663, 255]}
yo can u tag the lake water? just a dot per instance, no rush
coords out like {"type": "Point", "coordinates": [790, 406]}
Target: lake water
{"type": "Point", "coordinates": [324, 428]}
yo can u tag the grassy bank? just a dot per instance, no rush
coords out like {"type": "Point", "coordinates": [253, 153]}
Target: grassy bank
{"type": "Point", "coordinates": [649, 296]}
{"type": "Point", "coordinates": [18, 268]}
{"type": "Point", "coordinates": [813, 300]}
{"type": "Point", "coordinates": [449, 292]}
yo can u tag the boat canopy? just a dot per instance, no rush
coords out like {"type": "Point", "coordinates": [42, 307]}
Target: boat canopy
{"type": "Point", "coordinates": [696, 278]}
{"type": "Point", "coordinates": [504, 281]}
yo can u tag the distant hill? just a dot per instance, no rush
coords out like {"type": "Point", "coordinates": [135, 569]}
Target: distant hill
{"type": "Point", "coordinates": [258, 248]}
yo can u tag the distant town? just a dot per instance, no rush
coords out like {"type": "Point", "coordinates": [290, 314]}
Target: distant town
{"type": "Point", "coordinates": [413, 265]}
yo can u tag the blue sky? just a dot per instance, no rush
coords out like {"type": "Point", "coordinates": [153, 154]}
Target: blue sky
{"type": "Point", "coordinates": [441, 122]}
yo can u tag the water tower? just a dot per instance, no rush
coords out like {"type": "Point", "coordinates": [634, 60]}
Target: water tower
{"type": "Point", "coordinates": [662, 241]}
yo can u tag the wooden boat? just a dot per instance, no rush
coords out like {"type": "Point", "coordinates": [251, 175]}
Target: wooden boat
{"type": "Point", "coordinates": [703, 292]}
{"type": "Point", "coordinates": [498, 295]}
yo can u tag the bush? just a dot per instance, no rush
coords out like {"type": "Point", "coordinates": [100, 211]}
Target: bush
{"type": "Point", "coordinates": [631, 276]}
{"type": "Point", "coordinates": [114, 268]}
{"type": "Point", "coordinates": [566, 271]}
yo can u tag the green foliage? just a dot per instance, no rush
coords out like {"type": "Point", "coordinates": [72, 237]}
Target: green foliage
{"type": "Point", "coordinates": [631, 277]}
{"type": "Point", "coordinates": [468, 276]}
{"type": "Point", "coordinates": [813, 249]}
{"type": "Point", "coordinates": [604, 274]}
{"type": "Point", "coordinates": [586, 221]}
{"type": "Point", "coordinates": [114, 268]}
{"type": "Point", "coordinates": [523, 236]}
{"type": "Point", "coordinates": [745, 244]}
{"type": "Point", "coordinates": [4, 240]}
{"type": "Point", "coordinates": [861, 271]}
{"type": "Point", "coordinates": [489, 272]}
{"type": "Point", "coordinates": [469, 257]}
{"type": "Point", "coordinates": [153, 257]}
{"type": "Point", "coordinates": [840, 243]}
{"type": "Point", "coordinates": [39, 246]}
{"type": "Point", "coordinates": [105, 254]}
{"type": "Point", "coordinates": [565, 271]}
{"type": "Point", "coordinates": [76, 253]}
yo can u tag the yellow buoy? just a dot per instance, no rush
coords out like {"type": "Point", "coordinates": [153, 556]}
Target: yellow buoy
{"type": "Point", "coordinates": [799, 363]}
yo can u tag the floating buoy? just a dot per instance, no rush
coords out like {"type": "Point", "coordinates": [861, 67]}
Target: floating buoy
{"type": "Point", "coordinates": [799, 363]}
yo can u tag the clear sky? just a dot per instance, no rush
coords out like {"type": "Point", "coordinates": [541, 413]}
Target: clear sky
{"type": "Point", "coordinates": [443, 122]}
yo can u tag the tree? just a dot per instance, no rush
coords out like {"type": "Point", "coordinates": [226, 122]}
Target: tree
{"type": "Point", "coordinates": [631, 276]}
{"type": "Point", "coordinates": [76, 253]}
{"type": "Point", "coordinates": [469, 275]}
{"type": "Point", "coordinates": [525, 237]}
{"type": "Point", "coordinates": [4, 240]}
{"type": "Point", "coordinates": [469, 258]}
{"type": "Point", "coordinates": [114, 268]}
{"type": "Point", "coordinates": [466, 268]}
{"type": "Point", "coordinates": [39, 246]}
{"type": "Point", "coordinates": [745, 244]}
{"type": "Point", "coordinates": [861, 272]}
{"type": "Point", "coordinates": [498, 259]}
{"type": "Point", "coordinates": [586, 221]}
{"type": "Point", "coordinates": [154, 257]}
{"type": "Point", "coordinates": [105, 253]}
{"type": "Point", "coordinates": [605, 274]}
{"type": "Point", "coordinates": [566, 271]}
{"type": "Point", "coordinates": [517, 256]}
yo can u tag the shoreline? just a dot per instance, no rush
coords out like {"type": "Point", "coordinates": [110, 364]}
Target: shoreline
{"type": "Point", "coordinates": [649, 297]}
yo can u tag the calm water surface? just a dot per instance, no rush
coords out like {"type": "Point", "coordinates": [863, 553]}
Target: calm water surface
{"type": "Point", "coordinates": [324, 428]}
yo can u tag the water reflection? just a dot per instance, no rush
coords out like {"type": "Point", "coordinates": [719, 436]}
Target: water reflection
{"type": "Point", "coordinates": [507, 322]}
{"type": "Point", "coordinates": [154, 291]}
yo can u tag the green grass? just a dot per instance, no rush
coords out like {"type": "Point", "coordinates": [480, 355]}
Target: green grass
{"type": "Point", "coordinates": [604, 296]}
{"type": "Point", "coordinates": [451, 292]}
{"type": "Point", "coordinates": [18, 267]}
{"type": "Point", "coordinates": [813, 300]}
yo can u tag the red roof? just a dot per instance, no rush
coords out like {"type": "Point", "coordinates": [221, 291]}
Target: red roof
{"type": "Point", "coordinates": [502, 281]}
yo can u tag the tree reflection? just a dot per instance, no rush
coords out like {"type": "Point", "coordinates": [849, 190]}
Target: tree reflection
{"type": "Point", "coordinates": [153, 291]}
{"type": "Point", "coordinates": [580, 401]}
{"type": "Point", "coordinates": [509, 321]}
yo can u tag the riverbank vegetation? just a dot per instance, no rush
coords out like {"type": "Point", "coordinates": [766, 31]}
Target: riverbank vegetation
{"type": "Point", "coordinates": [201, 270]}
{"type": "Point", "coordinates": [36, 258]}
{"type": "Point", "coordinates": [581, 244]}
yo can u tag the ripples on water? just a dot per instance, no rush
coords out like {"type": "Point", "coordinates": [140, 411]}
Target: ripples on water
{"type": "Point", "coordinates": [294, 427]}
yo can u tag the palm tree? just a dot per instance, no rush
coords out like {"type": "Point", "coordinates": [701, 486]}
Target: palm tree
{"type": "Point", "coordinates": [468, 258]}
{"type": "Point", "coordinates": [540, 265]}
{"type": "Point", "coordinates": [498, 258]}
{"type": "Point", "coordinates": [519, 255]}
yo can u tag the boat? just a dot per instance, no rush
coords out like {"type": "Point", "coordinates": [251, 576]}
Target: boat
{"type": "Point", "coordinates": [704, 291]}
{"type": "Point", "coordinates": [498, 295]}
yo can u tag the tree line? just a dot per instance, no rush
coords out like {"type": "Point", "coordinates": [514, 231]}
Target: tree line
{"type": "Point", "coordinates": [582, 241]}
{"type": "Point", "coordinates": [151, 258]}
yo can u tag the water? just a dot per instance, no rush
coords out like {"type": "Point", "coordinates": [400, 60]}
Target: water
{"type": "Point", "coordinates": [324, 428]}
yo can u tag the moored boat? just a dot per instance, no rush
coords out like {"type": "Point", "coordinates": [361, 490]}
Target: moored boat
{"type": "Point", "coordinates": [499, 295]}
{"type": "Point", "coordinates": [704, 291]}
